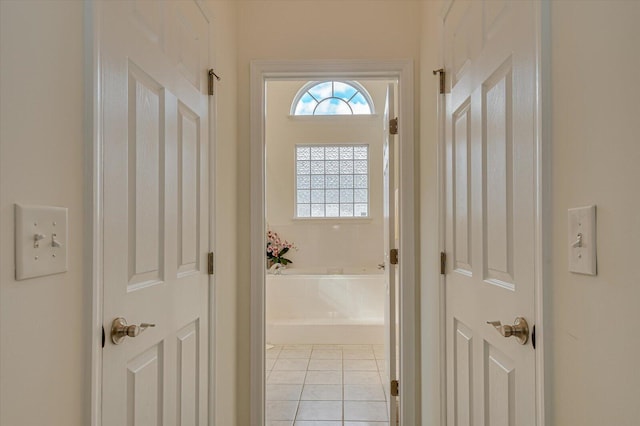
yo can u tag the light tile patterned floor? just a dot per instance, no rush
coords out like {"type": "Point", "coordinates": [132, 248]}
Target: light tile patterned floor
{"type": "Point", "coordinates": [326, 385]}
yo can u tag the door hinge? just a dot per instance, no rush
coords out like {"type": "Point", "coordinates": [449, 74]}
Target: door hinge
{"type": "Point", "coordinates": [210, 263]}
{"type": "Point", "coordinates": [212, 74]}
{"type": "Point", "coordinates": [443, 263]}
{"type": "Point", "coordinates": [395, 388]}
{"type": "Point", "coordinates": [393, 256]}
{"type": "Point", "coordinates": [393, 126]}
{"type": "Point", "coordinates": [442, 78]}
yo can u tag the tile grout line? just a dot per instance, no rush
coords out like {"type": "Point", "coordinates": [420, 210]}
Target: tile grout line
{"type": "Point", "coordinates": [304, 380]}
{"type": "Point", "coordinates": [343, 371]}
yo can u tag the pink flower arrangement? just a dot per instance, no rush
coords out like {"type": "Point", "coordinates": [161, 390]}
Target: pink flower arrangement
{"type": "Point", "coordinates": [277, 248]}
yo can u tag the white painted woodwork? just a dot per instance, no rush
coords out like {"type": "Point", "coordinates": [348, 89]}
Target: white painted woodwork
{"type": "Point", "coordinates": [154, 60]}
{"type": "Point", "coordinates": [188, 188]}
{"type": "Point", "coordinates": [463, 374]}
{"type": "Point", "coordinates": [490, 57]}
{"type": "Point", "coordinates": [462, 190]}
{"type": "Point", "coordinates": [389, 226]}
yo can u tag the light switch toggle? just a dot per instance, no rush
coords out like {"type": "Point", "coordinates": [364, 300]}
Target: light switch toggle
{"type": "Point", "coordinates": [54, 242]}
{"type": "Point", "coordinates": [41, 240]}
{"type": "Point", "coordinates": [36, 239]}
{"type": "Point", "coordinates": [581, 240]}
{"type": "Point", "coordinates": [578, 241]}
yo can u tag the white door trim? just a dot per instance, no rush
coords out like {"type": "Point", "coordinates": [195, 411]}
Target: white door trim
{"type": "Point", "coordinates": [93, 215]}
{"type": "Point", "coordinates": [93, 224]}
{"type": "Point", "coordinates": [543, 204]}
{"type": "Point", "coordinates": [542, 214]}
{"type": "Point", "coordinates": [402, 70]}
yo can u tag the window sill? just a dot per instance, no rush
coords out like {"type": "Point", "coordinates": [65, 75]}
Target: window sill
{"type": "Point", "coordinates": [346, 219]}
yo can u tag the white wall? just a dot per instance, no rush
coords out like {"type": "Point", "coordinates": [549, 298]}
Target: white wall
{"type": "Point", "coordinates": [44, 363]}
{"type": "Point", "coordinates": [330, 243]}
{"type": "Point", "coordinates": [316, 29]}
{"type": "Point", "coordinates": [595, 60]}
{"type": "Point", "coordinates": [43, 333]}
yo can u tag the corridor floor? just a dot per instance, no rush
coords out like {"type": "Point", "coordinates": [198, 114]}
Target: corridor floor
{"type": "Point", "coordinates": [326, 385]}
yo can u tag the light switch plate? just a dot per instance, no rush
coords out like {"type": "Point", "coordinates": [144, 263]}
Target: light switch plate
{"type": "Point", "coordinates": [582, 240]}
{"type": "Point", "coordinates": [41, 241]}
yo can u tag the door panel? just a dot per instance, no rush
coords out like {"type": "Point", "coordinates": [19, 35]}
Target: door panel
{"type": "Point", "coordinates": [463, 371]}
{"type": "Point", "coordinates": [145, 388]}
{"type": "Point", "coordinates": [498, 188]}
{"type": "Point", "coordinates": [188, 189]}
{"type": "Point", "coordinates": [145, 178]}
{"type": "Point", "coordinates": [490, 214]}
{"type": "Point", "coordinates": [155, 209]}
{"type": "Point", "coordinates": [499, 388]}
{"type": "Point", "coordinates": [462, 189]}
{"type": "Point", "coordinates": [188, 340]}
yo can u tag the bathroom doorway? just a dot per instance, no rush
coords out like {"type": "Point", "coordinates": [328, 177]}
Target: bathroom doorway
{"type": "Point", "coordinates": [326, 285]}
{"type": "Point", "coordinates": [326, 311]}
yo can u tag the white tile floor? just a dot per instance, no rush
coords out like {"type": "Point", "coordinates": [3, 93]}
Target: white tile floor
{"type": "Point", "coordinates": [326, 385]}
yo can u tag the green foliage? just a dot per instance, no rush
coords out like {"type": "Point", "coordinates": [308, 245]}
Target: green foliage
{"type": "Point", "coordinates": [278, 246]}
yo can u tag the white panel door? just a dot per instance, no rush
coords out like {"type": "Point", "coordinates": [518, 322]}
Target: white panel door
{"type": "Point", "coordinates": [154, 58]}
{"type": "Point", "coordinates": [389, 211]}
{"type": "Point", "coordinates": [490, 210]}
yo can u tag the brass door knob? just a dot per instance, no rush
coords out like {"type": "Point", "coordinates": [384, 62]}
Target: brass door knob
{"type": "Point", "coordinates": [120, 330]}
{"type": "Point", "coordinates": [519, 329]}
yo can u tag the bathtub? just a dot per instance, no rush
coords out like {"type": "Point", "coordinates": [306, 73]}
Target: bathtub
{"type": "Point", "coordinates": [325, 306]}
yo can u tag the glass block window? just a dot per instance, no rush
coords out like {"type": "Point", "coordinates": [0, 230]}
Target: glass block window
{"type": "Point", "coordinates": [332, 98]}
{"type": "Point", "coordinates": [332, 181]}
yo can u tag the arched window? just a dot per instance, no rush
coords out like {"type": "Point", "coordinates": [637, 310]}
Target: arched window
{"type": "Point", "coordinates": [332, 98]}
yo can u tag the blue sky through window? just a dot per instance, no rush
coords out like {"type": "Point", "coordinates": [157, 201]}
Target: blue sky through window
{"type": "Point", "coordinates": [333, 98]}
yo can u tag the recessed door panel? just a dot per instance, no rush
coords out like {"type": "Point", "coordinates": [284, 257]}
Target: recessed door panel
{"type": "Point", "coordinates": [495, 13]}
{"type": "Point", "coordinates": [188, 188]}
{"type": "Point", "coordinates": [463, 371]}
{"type": "Point", "coordinates": [147, 17]}
{"type": "Point", "coordinates": [462, 188]}
{"type": "Point", "coordinates": [499, 388]}
{"type": "Point", "coordinates": [188, 374]}
{"type": "Point", "coordinates": [189, 51]}
{"type": "Point", "coordinates": [145, 388]}
{"type": "Point", "coordinates": [145, 177]}
{"type": "Point", "coordinates": [498, 166]}
{"type": "Point", "coordinates": [463, 35]}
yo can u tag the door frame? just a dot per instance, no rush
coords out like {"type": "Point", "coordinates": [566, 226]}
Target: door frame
{"type": "Point", "coordinates": [542, 267]}
{"type": "Point", "coordinates": [402, 70]}
{"type": "Point", "coordinates": [93, 213]}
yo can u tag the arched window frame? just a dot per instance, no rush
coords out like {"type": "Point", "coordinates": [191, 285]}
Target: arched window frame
{"type": "Point", "coordinates": [305, 89]}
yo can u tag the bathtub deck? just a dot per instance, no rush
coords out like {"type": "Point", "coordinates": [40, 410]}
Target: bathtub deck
{"type": "Point", "coordinates": [333, 385]}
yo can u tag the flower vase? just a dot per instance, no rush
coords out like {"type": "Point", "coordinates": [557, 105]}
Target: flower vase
{"type": "Point", "coordinates": [276, 268]}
